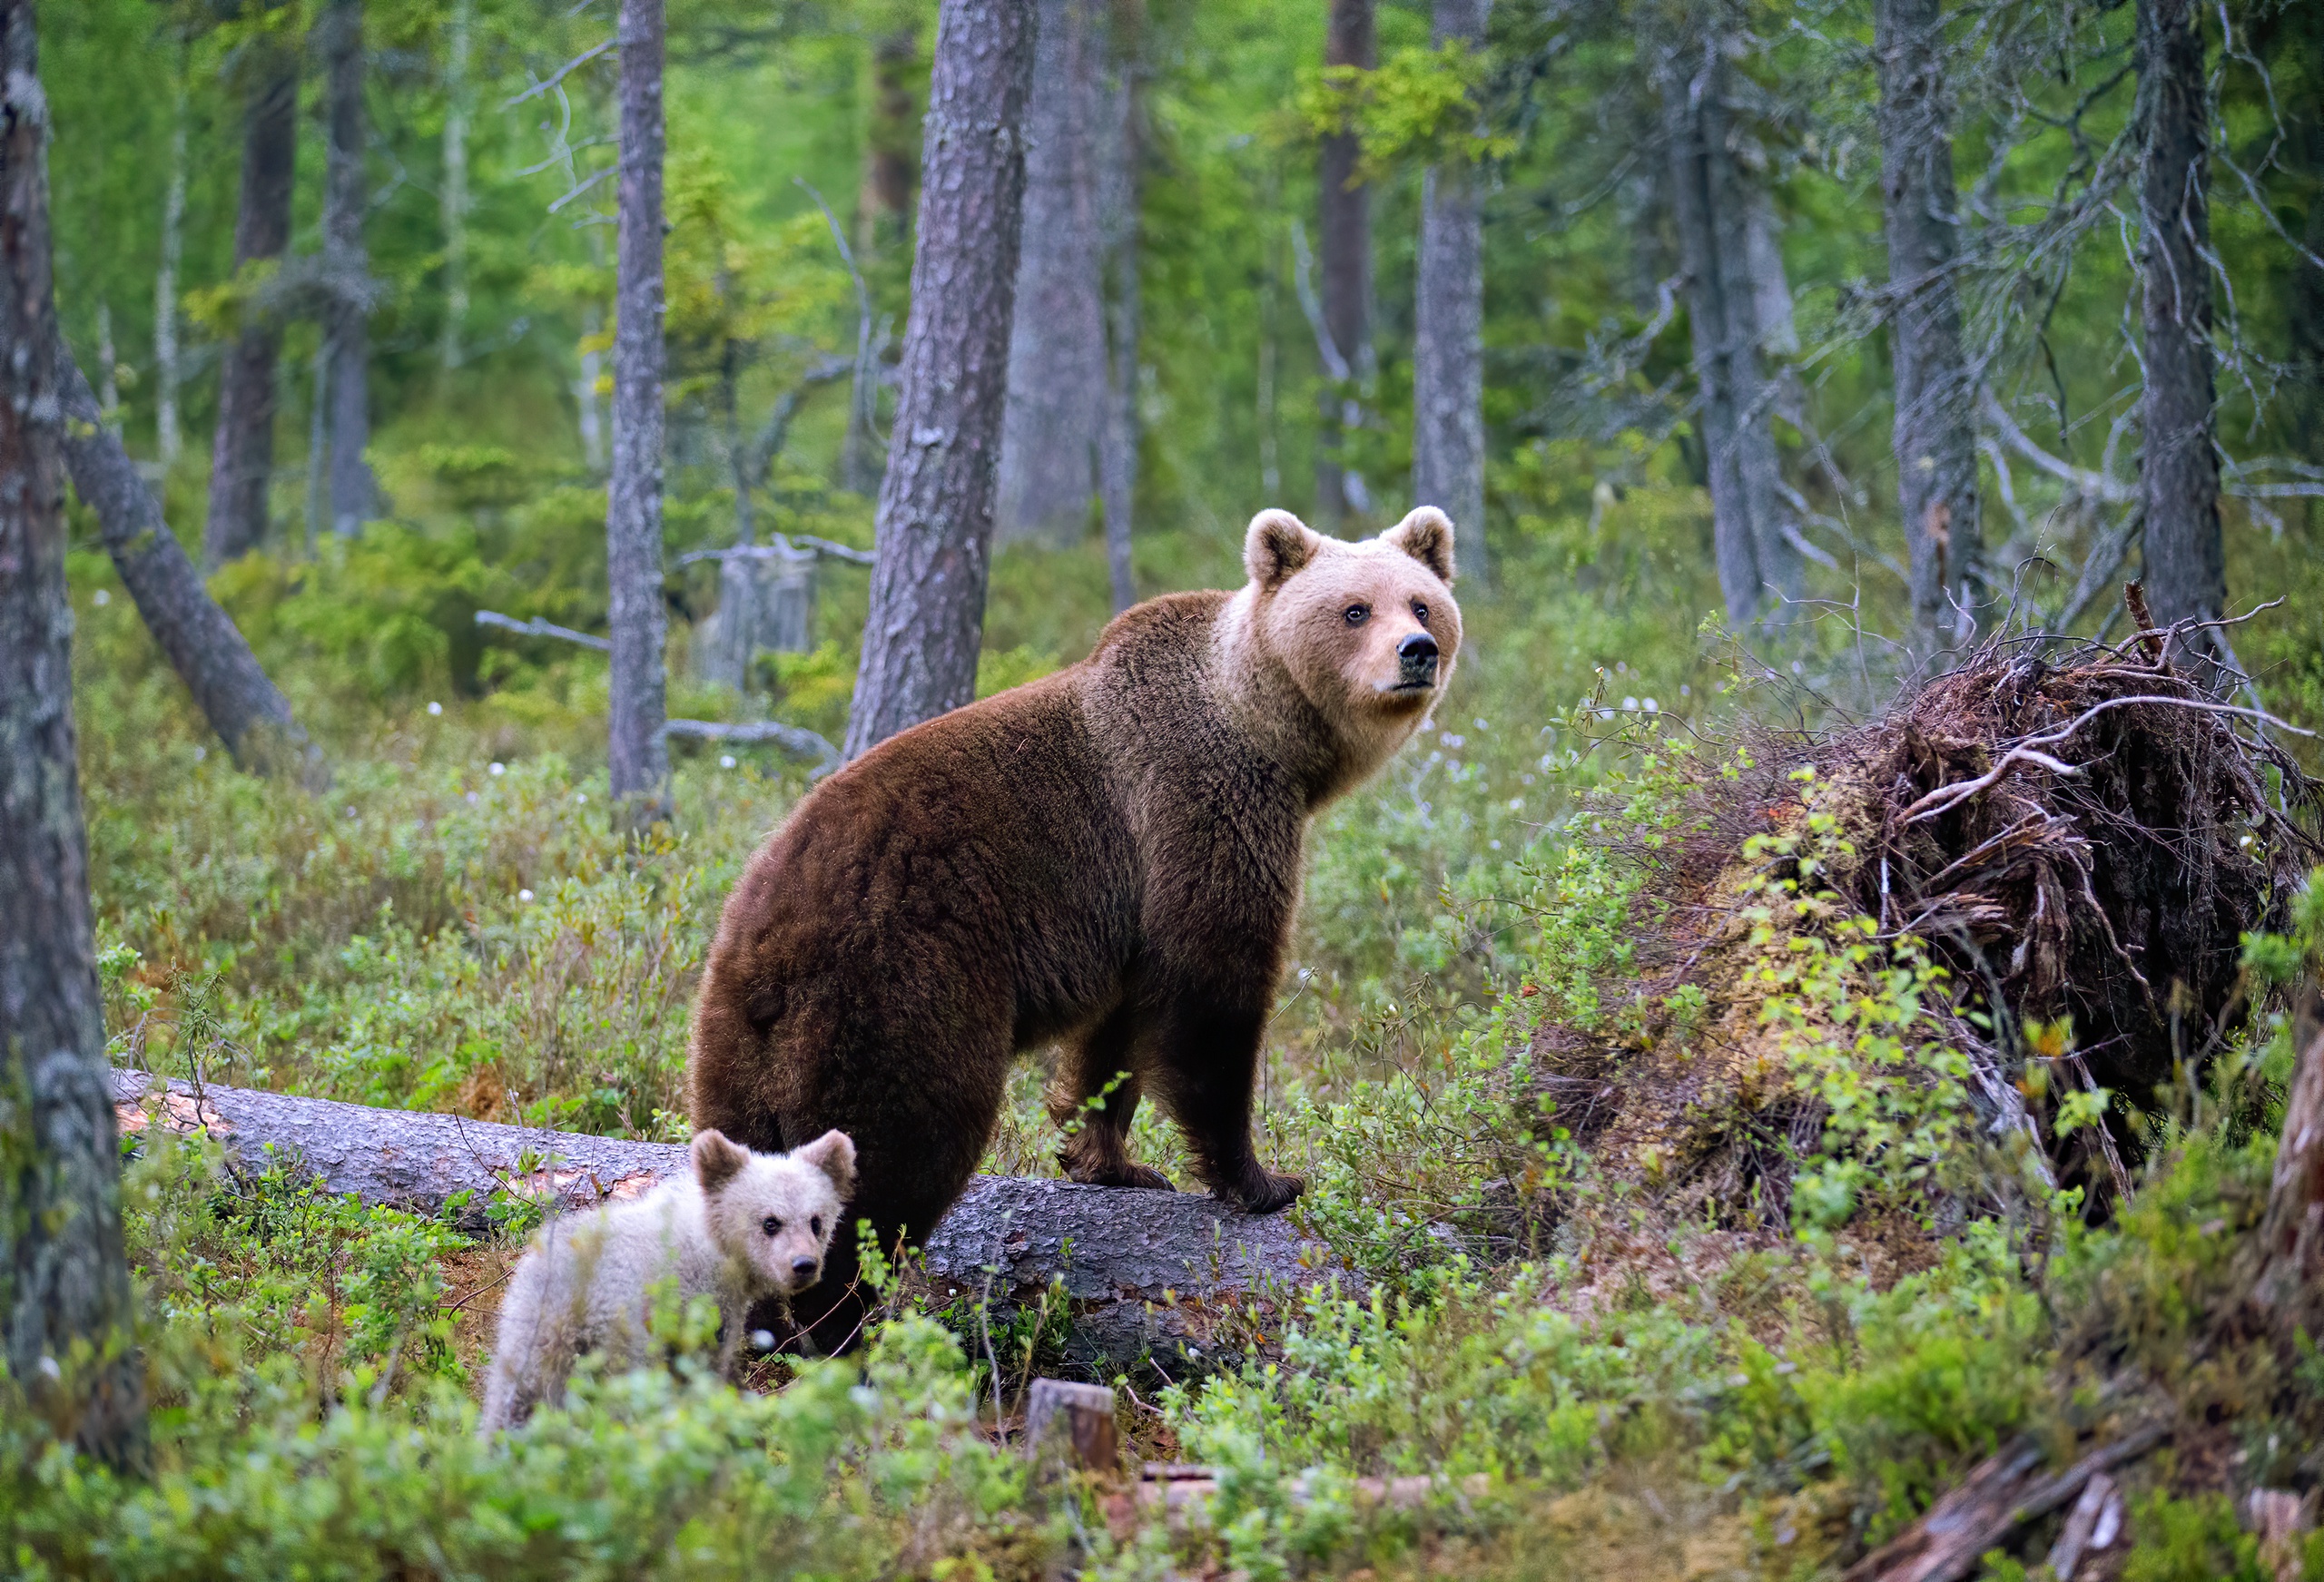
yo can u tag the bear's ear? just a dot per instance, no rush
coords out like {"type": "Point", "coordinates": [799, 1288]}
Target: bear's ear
{"type": "Point", "coordinates": [1427, 537]}
{"type": "Point", "coordinates": [1277, 544]}
{"type": "Point", "coordinates": [717, 1159]}
{"type": "Point", "coordinates": [833, 1154]}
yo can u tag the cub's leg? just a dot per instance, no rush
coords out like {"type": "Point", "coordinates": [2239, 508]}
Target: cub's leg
{"type": "Point", "coordinates": [1206, 1061]}
{"type": "Point", "coordinates": [1098, 1150]}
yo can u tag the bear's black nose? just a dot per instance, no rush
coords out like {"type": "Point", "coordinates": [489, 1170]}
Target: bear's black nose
{"type": "Point", "coordinates": [803, 1266]}
{"type": "Point", "coordinates": [1416, 659]}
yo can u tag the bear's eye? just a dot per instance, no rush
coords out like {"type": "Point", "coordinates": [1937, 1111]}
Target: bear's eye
{"type": "Point", "coordinates": [815, 1225]}
{"type": "Point", "coordinates": [1420, 612]}
{"type": "Point", "coordinates": [1357, 615]}
{"type": "Point", "coordinates": [771, 1225]}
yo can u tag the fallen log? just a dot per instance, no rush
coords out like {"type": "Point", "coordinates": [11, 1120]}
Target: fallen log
{"type": "Point", "coordinates": [1175, 1277]}
{"type": "Point", "coordinates": [2004, 1492]}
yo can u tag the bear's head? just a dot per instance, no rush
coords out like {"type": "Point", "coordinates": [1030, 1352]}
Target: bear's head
{"type": "Point", "coordinates": [1365, 632]}
{"type": "Point", "coordinates": [774, 1213]}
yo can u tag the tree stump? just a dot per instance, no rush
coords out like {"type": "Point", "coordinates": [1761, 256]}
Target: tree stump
{"type": "Point", "coordinates": [1073, 1423]}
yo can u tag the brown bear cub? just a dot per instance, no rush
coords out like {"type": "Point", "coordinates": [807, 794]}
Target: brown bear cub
{"type": "Point", "coordinates": [1109, 857]}
{"type": "Point", "coordinates": [743, 1228]}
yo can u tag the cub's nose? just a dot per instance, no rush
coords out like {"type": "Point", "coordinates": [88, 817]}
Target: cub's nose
{"type": "Point", "coordinates": [1416, 658]}
{"type": "Point", "coordinates": [803, 1265]}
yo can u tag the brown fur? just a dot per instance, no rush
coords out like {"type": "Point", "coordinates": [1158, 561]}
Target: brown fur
{"type": "Point", "coordinates": [1109, 857]}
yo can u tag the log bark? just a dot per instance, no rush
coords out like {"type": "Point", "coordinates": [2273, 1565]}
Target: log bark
{"type": "Point", "coordinates": [204, 646]}
{"type": "Point", "coordinates": [1343, 233]}
{"type": "Point", "coordinates": [1072, 1423]}
{"type": "Point", "coordinates": [2003, 1493]}
{"type": "Point", "coordinates": [64, 1298]}
{"type": "Point", "coordinates": [1121, 195]}
{"type": "Point", "coordinates": [1140, 1270]}
{"type": "Point", "coordinates": [1054, 423]}
{"type": "Point", "coordinates": [347, 326]}
{"type": "Point", "coordinates": [2291, 1284]}
{"type": "Point", "coordinates": [241, 462]}
{"type": "Point", "coordinates": [934, 523]}
{"type": "Point", "coordinates": [1448, 342]}
{"type": "Point", "coordinates": [2186, 569]}
{"type": "Point", "coordinates": [1934, 434]}
{"type": "Point", "coordinates": [638, 758]}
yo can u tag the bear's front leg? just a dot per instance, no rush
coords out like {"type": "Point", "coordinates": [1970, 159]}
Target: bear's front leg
{"type": "Point", "coordinates": [1206, 1061]}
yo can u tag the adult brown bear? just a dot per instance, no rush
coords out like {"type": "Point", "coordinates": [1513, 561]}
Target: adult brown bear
{"type": "Point", "coordinates": [1109, 857]}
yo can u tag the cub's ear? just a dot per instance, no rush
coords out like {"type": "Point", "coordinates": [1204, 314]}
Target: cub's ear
{"type": "Point", "coordinates": [717, 1159]}
{"type": "Point", "coordinates": [1277, 544]}
{"type": "Point", "coordinates": [833, 1154]}
{"type": "Point", "coordinates": [1427, 537]}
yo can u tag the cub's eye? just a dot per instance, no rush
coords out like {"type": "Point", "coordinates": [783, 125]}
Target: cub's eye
{"type": "Point", "coordinates": [1357, 615]}
{"type": "Point", "coordinates": [771, 1225]}
{"type": "Point", "coordinates": [1420, 612]}
{"type": "Point", "coordinates": [815, 1225]}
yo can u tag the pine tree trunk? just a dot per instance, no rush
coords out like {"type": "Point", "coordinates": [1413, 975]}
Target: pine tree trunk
{"type": "Point", "coordinates": [1934, 436]}
{"type": "Point", "coordinates": [64, 1296]}
{"type": "Point", "coordinates": [453, 199]}
{"type": "Point", "coordinates": [1055, 422]}
{"type": "Point", "coordinates": [2186, 570]}
{"type": "Point", "coordinates": [347, 272]}
{"type": "Point", "coordinates": [935, 515]}
{"type": "Point", "coordinates": [637, 754]}
{"type": "Point", "coordinates": [1121, 194]}
{"type": "Point", "coordinates": [884, 212]}
{"type": "Point", "coordinates": [1448, 342]}
{"type": "Point", "coordinates": [1343, 233]}
{"type": "Point", "coordinates": [168, 438]}
{"type": "Point", "coordinates": [208, 651]}
{"type": "Point", "coordinates": [1758, 569]}
{"type": "Point", "coordinates": [242, 464]}
{"type": "Point", "coordinates": [2291, 1243]}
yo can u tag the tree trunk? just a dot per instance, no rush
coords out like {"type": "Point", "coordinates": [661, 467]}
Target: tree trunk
{"type": "Point", "coordinates": [1758, 568]}
{"type": "Point", "coordinates": [1935, 437]}
{"type": "Point", "coordinates": [168, 438]}
{"type": "Point", "coordinates": [1121, 194]}
{"type": "Point", "coordinates": [934, 525]}
{"type": "Point", "coordinates": [64, 1296]}
{"type": "Point", "coordinates": [241, 461]}
{"type": "Point", "coordinates": [1344, 232]}
{"type": "Point", "coordinates": [638, 755]}
{"type": "Point", "coordinates": [2291, 1284]}
{"type": "Point", "coordinates": [347, 270]}
{"type": "Point", "coordinates": [250, 714]}
{"type": "Point", "coordinates": [1448, 342]}
{"type": "Point", "coordinates": [891, 162]}
{"type": "Point", "coordinates": [1053, 424]}
{"type": "Point", "coordinates": [2186, 570]}
{"type": "Point", "coordinates": [453, 200]}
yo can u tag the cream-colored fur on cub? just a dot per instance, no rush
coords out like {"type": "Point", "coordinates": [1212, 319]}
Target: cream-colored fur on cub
{"type": "Point", "coordinates": [744, 1227]}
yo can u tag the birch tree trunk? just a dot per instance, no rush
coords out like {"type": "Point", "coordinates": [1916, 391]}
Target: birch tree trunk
{"type": "Point", "coordinates": [934, 524]}
{"type": "Point", "coordinates": [353, 492]}
{"type": "Point", "coordinates": [1448, 342]}
{"type": "Point", "coordinates": [2186, 570]}
{"type": "Point", "coordinates": [1055, 420]}
{"type": "Point", "coordinates": [241, 463]}
{"type": "Point", "coordinates": [64, 1297]}
{"type": "Point", "coordinates": [204, 646]}
{"type": "Point", "coordinates": [638, 756]}
{"type": "Point", "coordinates": [1121, 195]}
{"type": "Point", "coordinates": [169, 439]}
{"type": "Point", "coordinates": [1344, 232]}
{"type": "Point", "coordinates": [453, 200]}
{"type": "Point", "coordinates": [1934, 436]}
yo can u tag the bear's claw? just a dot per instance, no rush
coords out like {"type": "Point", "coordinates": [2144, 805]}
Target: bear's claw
{"type": "Point", "coordinates": [1140, 1177]}
{"type": "Point", "coordinates": [1267, 1194]}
